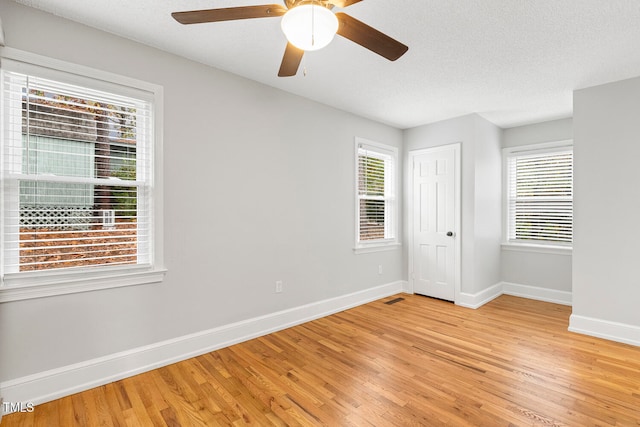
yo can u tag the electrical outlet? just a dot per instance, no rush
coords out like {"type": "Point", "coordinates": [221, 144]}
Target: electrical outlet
{"type": "Point", "coordinates": [380, 269]}
{"type": "Point", "coordinates": [278, 286]}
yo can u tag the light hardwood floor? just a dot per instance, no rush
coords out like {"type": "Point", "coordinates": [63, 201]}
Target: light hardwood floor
{"type": "Point", "coordinates": [416, 362]}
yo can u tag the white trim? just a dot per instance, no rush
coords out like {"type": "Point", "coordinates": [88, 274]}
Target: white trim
{"type": "Point", "coordinates": [383, 148]}
{"type": "Point", "coordinates": [544, 147]}
{"type": "Point", "coordinates": [409, 167]}
{"type": "Point", "coordinates": [406, 288]}
{"type": "Point", "coordinates": [392, 227]}
{"type": "Point", "coordinates": [377, 248]}
{"type": "Point", "coordinates": [479, 299]}
{"type": "Point", "coordinates": [614, 331]}
{"type": "Point", "coordinates": [83, 282]}
{"type": "Point", "coordinates": [81, 71]}
{"type": "Point", "coordinates": [541, 249]}
{"type": "Point", "coordinates": [537, 293]}
{"type": "Point", "coordinates": [56, 383]}
{"type": "Point", "coordinates": [24, 286]}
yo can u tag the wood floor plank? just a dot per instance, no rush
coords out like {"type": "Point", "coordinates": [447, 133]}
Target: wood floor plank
{"type": "Point", "coordinates": [416, 362]}
{"type": "Point", "coordinates": [66, 415]}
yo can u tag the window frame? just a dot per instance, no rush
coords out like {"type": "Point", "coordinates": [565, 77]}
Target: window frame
{"type": "Point", "coordinates": [530, 245]}
{"type": "Point", "coordinates": [390, 197]}
{"type": "Point", "coordinates": [44, 283]}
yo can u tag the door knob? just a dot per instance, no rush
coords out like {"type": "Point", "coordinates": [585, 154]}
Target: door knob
{"type": "Point", "coordinates": [450, 233]}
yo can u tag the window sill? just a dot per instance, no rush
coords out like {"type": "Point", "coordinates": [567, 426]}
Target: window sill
{"type": "Point", "coordinates": [18, 287]}
{"type": "Point", "coordinates": [543, 249]}
{"type": "Point", "coordinates": [376, 248]}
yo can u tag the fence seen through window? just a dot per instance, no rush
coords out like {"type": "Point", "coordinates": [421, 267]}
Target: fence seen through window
{"type": "Point", "coordinates": [76, 174]}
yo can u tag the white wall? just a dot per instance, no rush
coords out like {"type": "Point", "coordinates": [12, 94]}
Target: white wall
{"type": "Point", "coordinates": [259, 187]}
{"type": "Point", "coordinates": [481, 193]}
{"type": "Point", "coordinates": [550, 271]}
{"type": "Point", "coordinates": [554, 130]}
{"type": "Point", "coordinates": [606, 283]}
{"type": "Point", "coordinates": [488, 205]}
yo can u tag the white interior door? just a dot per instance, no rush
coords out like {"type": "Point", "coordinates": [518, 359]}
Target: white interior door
{"type": "Point", "coordinates": [435, 250]}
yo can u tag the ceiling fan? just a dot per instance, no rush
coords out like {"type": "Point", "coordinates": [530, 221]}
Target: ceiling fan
{"type": "Point", "coordinates": [308, 25]}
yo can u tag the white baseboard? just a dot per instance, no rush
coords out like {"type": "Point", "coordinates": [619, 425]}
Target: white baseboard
{"type": "Point", "coordinates": [407, 288]}
{"type": "Point", "coordinates": [620, 332]}
{"type": "Point", "coordinates": [56, 383]}
{"type": "Point", "coordinates": [479, 299]}
{"type": "Point", "coordinates": [613, 331]}
{"type": "Point", "coordinates": [534, 292]}
{"type": "Point", "coordinates": [505, 288]}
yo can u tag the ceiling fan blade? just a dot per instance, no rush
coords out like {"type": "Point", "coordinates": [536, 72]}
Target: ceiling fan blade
{"type": "Point", "coordinates": [290, 61]}
{"type": "Point", "coordinates": [343, 3]}
{"type": "Point", "coordinates": [229, 14]}
{"type": "Point", "coordinates": [369, 37]}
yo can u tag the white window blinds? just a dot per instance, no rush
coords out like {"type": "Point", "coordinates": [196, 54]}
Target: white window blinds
{"type": "Point", "coordinates": [376, 193]}
{"type": "Point", "coordinates": [76, 167]}
{"type": "Point", "coordinates": [540, 196]}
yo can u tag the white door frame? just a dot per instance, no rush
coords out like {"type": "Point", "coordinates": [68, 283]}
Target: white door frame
{"type": "Point", "coordinates": [457, 211]}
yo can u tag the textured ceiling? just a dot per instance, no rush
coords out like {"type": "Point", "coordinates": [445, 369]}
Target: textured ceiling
{"type": "Point", "coordinates": [511, 61]}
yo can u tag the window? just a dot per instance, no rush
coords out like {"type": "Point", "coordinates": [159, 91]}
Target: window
{"type": "Point", "coordinates": [539, 194]}
{"type": "Point", "coordinates": [77, 164]}
{"type": "Point", "coordinates": [376, 203]}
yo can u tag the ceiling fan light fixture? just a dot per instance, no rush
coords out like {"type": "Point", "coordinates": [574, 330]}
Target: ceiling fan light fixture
{"type": "Point", "coordinates": [309, 26]}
